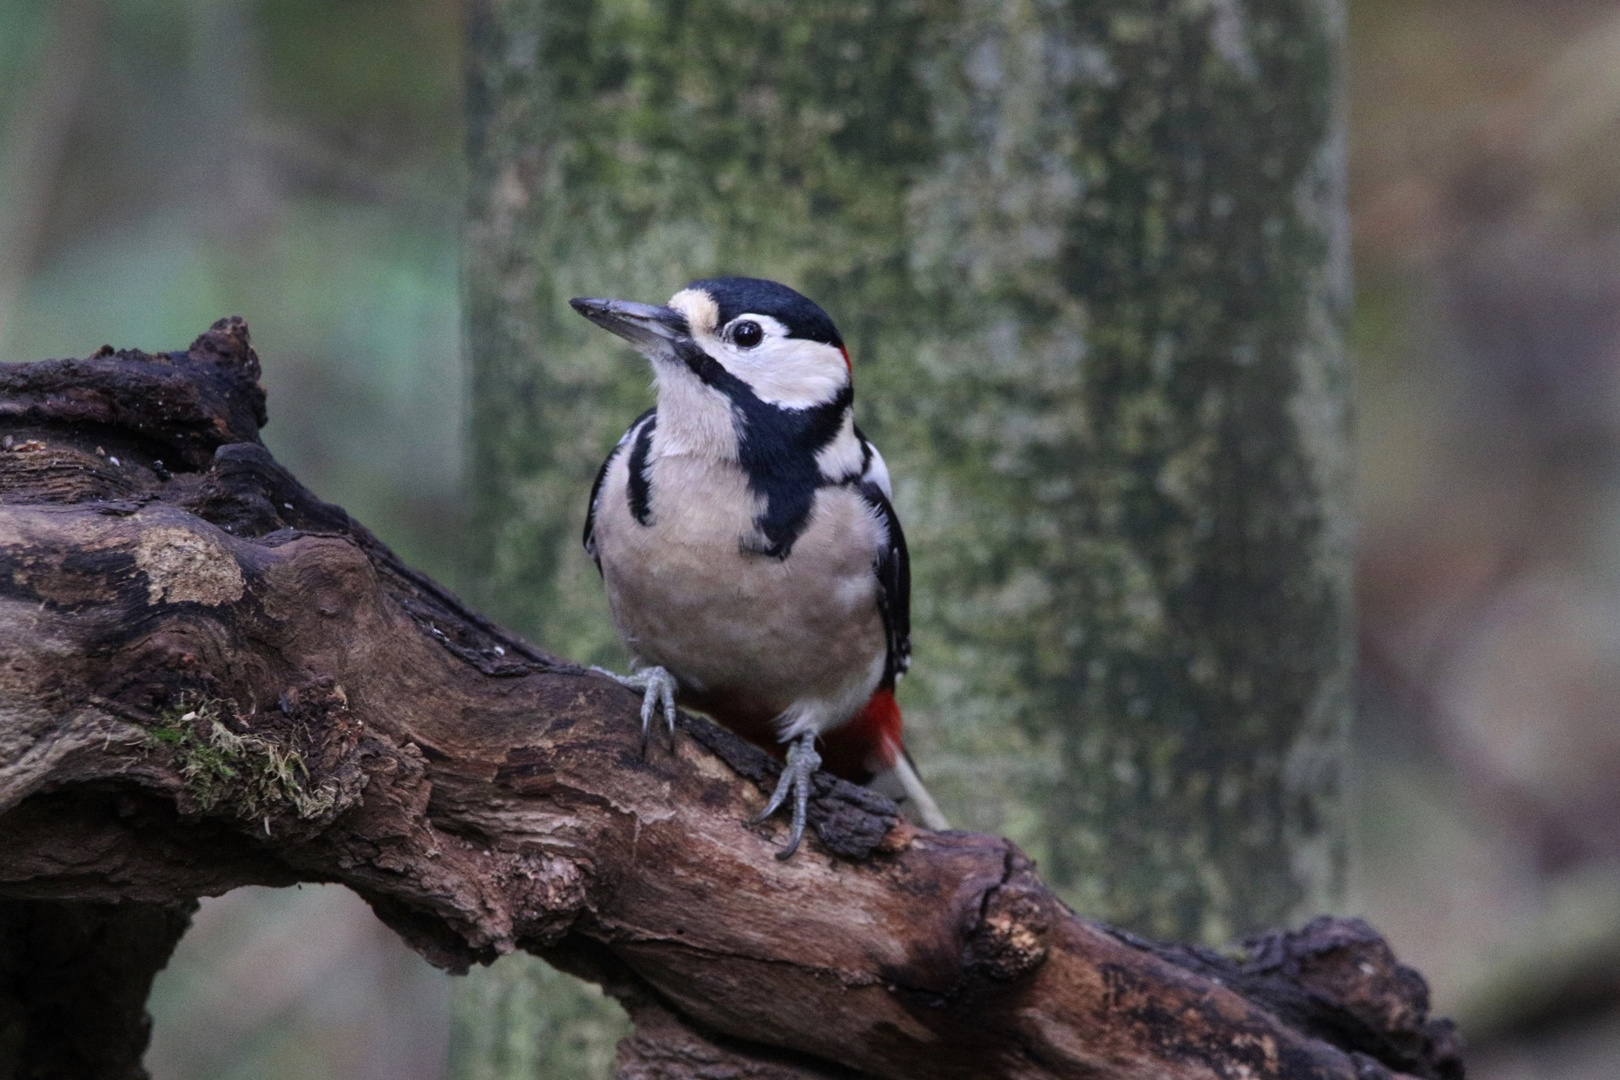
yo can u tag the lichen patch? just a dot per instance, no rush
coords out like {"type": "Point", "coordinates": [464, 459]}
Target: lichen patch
{"type": "Point", "coordinates": [184, 566]}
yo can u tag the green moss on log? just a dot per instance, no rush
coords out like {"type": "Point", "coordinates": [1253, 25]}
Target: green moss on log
{"type": "Point", "coordinates": [254, 777]}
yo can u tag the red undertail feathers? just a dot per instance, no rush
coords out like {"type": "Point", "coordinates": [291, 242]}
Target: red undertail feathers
{"type": "Point", "coordinates": [868, 744]}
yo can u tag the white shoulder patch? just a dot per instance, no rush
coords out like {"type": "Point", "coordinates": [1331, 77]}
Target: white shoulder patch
{"type": "Point", "coordinates": [877, 472]}
{"type": "Point", "coordinates": [841, 459]}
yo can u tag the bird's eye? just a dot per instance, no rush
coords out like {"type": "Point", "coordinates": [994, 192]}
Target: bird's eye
{"type": "Point", "coordinates": [747, 334]}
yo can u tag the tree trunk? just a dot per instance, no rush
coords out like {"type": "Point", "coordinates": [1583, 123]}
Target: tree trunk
{"type": "Point", "coordinates": [1090, 260]}
{"type": "Point", "coordinates": [74, 976]}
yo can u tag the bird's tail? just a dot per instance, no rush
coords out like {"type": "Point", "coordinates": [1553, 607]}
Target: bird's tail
{"type": "Point", "coordinates": [927, 809]}
{"type": "Point", "coordinates": [871, 748]}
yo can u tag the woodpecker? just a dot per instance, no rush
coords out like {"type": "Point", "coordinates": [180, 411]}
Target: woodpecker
{"type": "Point", "coordinates": [753, 562]}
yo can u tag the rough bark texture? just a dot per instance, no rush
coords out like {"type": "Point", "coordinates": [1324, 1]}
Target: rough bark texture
{"type": "Point", "coordinates": [1090, 260]}
{"type": "Point", "coordinates": [210, 678]}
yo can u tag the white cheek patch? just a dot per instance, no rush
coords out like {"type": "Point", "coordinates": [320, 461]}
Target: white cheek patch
{"type": "Point", "coordinates": [790, 372]}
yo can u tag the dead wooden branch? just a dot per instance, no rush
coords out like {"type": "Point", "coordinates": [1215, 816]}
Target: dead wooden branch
{"type": "Point", "coordinates": [210, 678]}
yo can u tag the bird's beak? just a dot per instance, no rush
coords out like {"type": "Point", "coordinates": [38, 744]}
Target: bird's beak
{"type": "Point", "coordinates": [652, 330]}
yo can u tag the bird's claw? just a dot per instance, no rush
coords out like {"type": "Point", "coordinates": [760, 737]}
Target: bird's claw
{"type": "Point", "coordinates": [802, 763]}
{"type": "Point", "coordinates": [657, 688]}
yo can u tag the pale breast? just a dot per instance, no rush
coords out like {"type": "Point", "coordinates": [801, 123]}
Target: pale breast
{"type": "Point", "coordinates": [802, 632]}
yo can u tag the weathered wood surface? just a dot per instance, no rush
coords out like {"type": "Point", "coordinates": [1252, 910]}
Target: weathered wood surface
{"type": "Point", "coordinates": [210, 678]}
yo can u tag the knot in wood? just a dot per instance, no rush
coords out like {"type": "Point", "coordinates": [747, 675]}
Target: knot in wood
{"type": "Point", "coordinates": [1010, 940]}
{"type": "Point", "coordinates": [547, 893]}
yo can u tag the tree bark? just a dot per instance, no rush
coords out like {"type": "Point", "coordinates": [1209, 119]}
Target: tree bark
{"type": "Point", "coordinates": [212, 679]}
{"type": "Point", "coordinates": [1090, 260]}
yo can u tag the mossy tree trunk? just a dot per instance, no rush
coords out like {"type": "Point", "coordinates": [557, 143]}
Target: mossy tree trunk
{"type": "Point", "coordinates": [1090, 259]}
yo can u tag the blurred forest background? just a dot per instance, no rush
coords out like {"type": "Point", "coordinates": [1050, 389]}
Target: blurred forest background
{"type": "Point", "coordinates": [299, 162]}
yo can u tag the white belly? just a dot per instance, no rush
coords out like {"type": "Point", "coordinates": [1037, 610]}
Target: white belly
{"type": "Point", "coordinates": [802, 633]}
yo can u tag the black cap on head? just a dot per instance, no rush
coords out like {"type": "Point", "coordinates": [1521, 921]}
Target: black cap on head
{"type": "Point", "coordinates": [803, 318]}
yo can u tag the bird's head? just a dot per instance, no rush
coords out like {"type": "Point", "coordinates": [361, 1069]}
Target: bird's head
{"type": "Point", "coordinates": [735, 334]}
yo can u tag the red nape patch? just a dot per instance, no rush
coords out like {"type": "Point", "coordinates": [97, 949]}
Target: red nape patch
{"type": "Point", "coordinates": [847, 365]}
{"type": "Point", "coordinates": [868, 743]}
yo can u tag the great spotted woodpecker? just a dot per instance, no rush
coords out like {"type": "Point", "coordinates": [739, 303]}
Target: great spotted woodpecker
{"type": "Point", "coordinates": [754, 565]}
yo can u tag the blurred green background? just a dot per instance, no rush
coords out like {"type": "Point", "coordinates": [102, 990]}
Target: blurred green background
{"type": "Point", "coordinates": [165, 162]}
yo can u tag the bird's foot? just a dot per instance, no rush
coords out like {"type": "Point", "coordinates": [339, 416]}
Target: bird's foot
{"type": "Point", "coordinates": [657, 688]}
{"type": "Point", "coordinates": [802, 763]}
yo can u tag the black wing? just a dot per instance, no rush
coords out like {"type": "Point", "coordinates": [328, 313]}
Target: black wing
{"type": "Point", "coordinates": [589, 539]}
{"type": "Point", "coordinates": [893, 566]}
